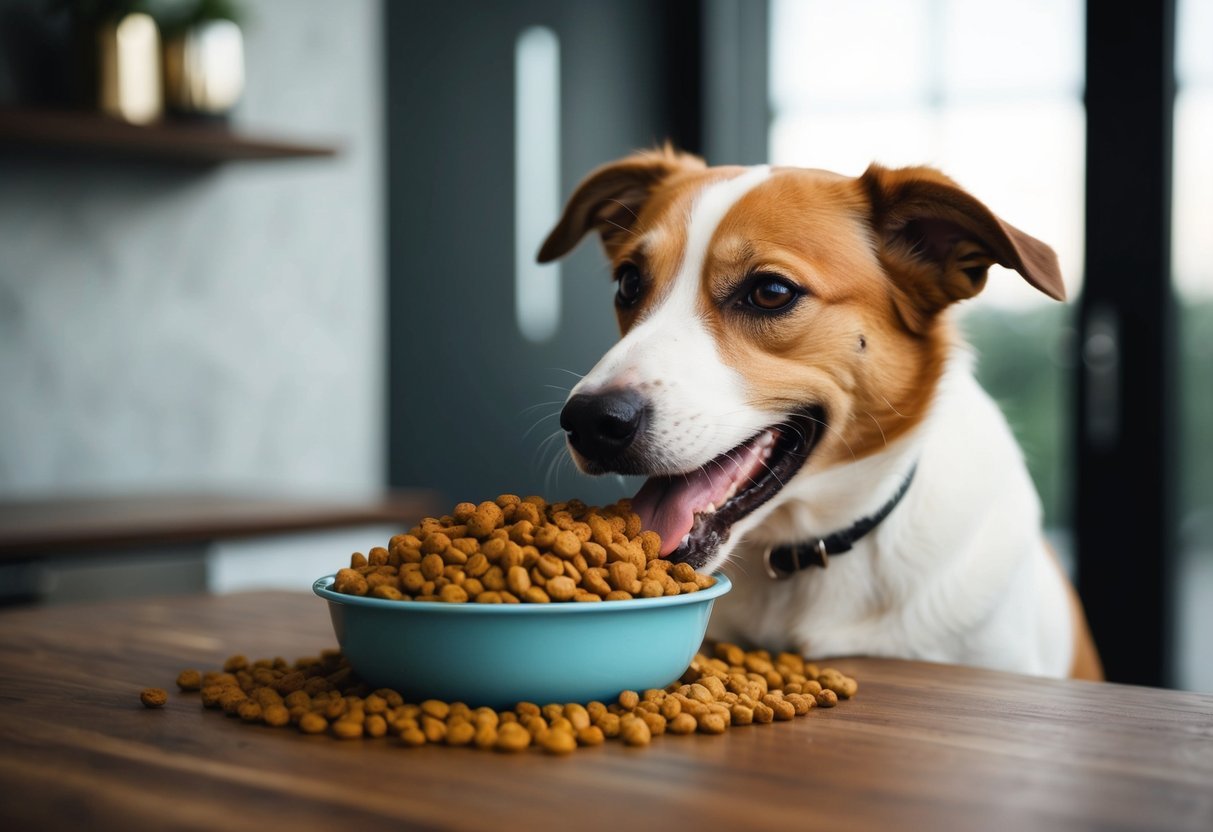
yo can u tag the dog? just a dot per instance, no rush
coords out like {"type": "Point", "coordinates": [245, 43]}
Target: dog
{"type": "Point", "coordinates": [789, 381]}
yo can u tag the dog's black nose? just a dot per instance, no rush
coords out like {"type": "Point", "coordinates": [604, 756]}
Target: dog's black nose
{"type": "Point", "coordinates": [603, 425]}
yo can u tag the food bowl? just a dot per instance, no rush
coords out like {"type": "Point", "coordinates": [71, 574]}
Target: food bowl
{"type": "Point", "coordinates": [501, 654]}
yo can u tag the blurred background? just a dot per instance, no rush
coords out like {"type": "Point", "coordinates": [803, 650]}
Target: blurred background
{"type": "Point", "coordinates": [267, 291]}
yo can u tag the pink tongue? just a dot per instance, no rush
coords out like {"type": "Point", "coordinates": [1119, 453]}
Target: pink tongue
{"type": "Point", "coordinates": [668, 505]}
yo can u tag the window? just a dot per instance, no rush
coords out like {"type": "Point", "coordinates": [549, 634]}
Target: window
{"type": "Point", "coordinates": [991, 94]}
{"type": "Point", "coordinates": [1192, 264]}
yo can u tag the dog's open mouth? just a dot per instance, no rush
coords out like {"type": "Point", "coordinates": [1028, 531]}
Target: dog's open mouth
{"type": "Point", "coordinates": [694, 511]}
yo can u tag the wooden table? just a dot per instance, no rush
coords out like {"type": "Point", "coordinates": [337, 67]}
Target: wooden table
{"type": "Point", "coordinates": [923, 746]}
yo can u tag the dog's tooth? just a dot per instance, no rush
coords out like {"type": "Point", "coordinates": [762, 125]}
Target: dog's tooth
{"type": "Point", "coordinates": [686, 538]}
{"type": "Point", "coordinates": [709, 508]}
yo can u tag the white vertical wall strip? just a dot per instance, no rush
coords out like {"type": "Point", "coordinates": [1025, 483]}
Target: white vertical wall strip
{"type": "Point", "coordinates": [536, 179]}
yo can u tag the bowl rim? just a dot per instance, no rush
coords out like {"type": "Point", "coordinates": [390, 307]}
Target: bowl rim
{"type": "Point", "coordinates": [321, 587]}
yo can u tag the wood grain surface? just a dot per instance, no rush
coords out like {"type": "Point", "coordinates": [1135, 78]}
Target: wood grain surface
{"type": "Point", "coordinates": [922, 747]}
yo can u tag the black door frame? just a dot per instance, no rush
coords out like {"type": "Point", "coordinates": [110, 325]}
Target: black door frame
{"type": "Point", "coordinates": [1125, 419]}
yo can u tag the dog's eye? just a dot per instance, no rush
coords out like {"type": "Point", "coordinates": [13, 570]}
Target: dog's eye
{"type": "Point", "coordinates": [770, 294]}
{"type": "Point", "coordinates": [631, 284]}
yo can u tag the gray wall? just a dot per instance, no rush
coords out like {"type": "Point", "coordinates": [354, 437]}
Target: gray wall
{"type": "Point", "coordinates": [162, 327]}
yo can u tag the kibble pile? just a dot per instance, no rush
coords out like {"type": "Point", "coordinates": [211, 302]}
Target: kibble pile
{"type": "Point", "coordinates": [513, 549]}
{"type": "Point", "coordinates": [321, 695]}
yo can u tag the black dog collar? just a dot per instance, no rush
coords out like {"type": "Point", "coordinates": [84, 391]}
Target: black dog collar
{"type": "Point", "coordinates": [784, 561]}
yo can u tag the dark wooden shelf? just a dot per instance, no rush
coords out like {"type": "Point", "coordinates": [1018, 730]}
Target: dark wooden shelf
{"type": "Point", "coordinates": [77, 526]}
{"type": "Point", "coordinates": [91, 134]}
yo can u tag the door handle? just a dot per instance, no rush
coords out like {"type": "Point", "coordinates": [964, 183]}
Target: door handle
{"type": "Point", "coordinates": [1101, 365]}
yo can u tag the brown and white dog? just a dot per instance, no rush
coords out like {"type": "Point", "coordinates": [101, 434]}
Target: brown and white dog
{"type": "Point", "coordinates": [787, 371]}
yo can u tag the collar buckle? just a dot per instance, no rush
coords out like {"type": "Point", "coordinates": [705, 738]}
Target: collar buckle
{"type": "Point", "coordinates": [772, 573]}
{"type": "Point", "coordinates": [777, 573]}
{"type": "Point", "coordinates": [781, 562]}
{"type": "Point", "coordinates": [823, 556]}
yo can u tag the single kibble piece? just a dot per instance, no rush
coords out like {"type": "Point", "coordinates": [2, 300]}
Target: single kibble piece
{"type": "Point", "coordinates": [249, 711]}
{"type": "Point", "coordinates": [712, 723]}
{"type": "Point", "coordinates": [559, 741]}
{"type": "Point", "coordinates": [591, 735]}
{"type": "Point", "coordinates": [683, 723]}
{"type": "Point", "coordinates": [412, 737]}
{"type": "Point", "coordinates": [827, 699]}
{"type": "Point", "coordinates": [313, 723]}
{"type": "Point", "coordinates": [153, 697]}
{"type": "Point", "coordinates": [276, 716]}
{"type": "Point", "coordinates": [512, 737]}
{"type": "Point", "coordinates": [189, 680]}
{"type": "Point", "coordinates": [561, 588]}
{"type": "Point", "coordinates": [629, 699]}
{"type": "Point", "coordinates": [635, 731]}
{"type": "Point", "coordinates": [460, 733]}
{"type": "Point", "coordinates": [347, 729]}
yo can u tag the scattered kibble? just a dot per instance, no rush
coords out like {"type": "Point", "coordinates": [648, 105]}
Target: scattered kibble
{"type": "Point", "coordinates": [153, 697]}
{"type": "Point", "coordinates": [189, 680]}
{"type": "Point", "coordinates": [518, 550]}
{"type": "Point", "coordinates": [724, 688]}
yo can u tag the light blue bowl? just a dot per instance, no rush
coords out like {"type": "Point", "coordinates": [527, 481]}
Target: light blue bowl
{"type": "Point", "coordinates": [501, 654]}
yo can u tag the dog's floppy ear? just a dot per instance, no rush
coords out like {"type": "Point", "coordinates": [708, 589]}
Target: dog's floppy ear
{"type": "Point", "coordinates": [938, 242]}
{"type": "Point", "coordinates": [610, 198]}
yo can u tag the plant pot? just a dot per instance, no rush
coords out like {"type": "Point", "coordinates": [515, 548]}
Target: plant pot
{"type": "Point", "coordinates": [204, 69]}
{"type": "Point", "coordinates": [128, 69]}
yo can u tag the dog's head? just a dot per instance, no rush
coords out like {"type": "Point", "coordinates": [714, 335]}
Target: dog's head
{"type": "Point", "coordinates": [770, 316]}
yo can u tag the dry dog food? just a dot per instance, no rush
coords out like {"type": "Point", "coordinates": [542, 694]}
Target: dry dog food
{"type": "Point", "coordinates": [730, 687]}
{"type": "Point", "coordinates": [153, 697]}
{"type": "Point", "coordinates": [515, 550]}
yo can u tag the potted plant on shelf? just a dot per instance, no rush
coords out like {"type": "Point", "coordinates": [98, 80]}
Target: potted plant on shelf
{"type": "Point", "coordinates": [203, 58]}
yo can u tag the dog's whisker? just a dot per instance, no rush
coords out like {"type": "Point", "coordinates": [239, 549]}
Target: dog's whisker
{"type": "Point", "coordinates": [538, 405]}
{"type": "Point", "coordinates": [830, 427]}
{"type": "Point", "coordinates": [552, 473]}
{"type": "Point", "coordinates": [624, 206]}
{"type": "Point", "coordinates": [553, 438]}
{"type": "Point", "coordinates": [570, 372]}
{"type": "Point", "coordinates": [737, 563]}
{"type": "Point", "coordinates": [883, 438]}
{"type": "Point", "coordinates": [546, 449]}
{"type": "Point", "coordinates": [890, 404]}
{"type": "Point", "coordinates": [538, 422]}
{"type": "Point", "coordinates": [545, 446]}
{"type": "Point", "coordinates": [621, 227]}
{"type": "Point", "coordinates": [771, 471]}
